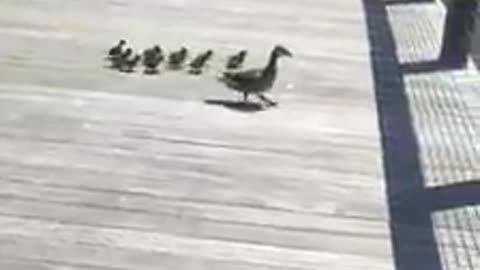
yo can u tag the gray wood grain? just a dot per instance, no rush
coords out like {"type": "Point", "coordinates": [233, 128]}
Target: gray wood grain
{"type": "Point", "coordinates": [101, 170]}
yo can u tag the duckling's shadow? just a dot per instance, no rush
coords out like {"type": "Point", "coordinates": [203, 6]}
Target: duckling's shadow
{"type": "Point", "coordinates": [114, 67]}
{"type": "Point", "coordinates": [151, 71]}
{"type": "Point", "coordinates": [240, 106]}
{"type": "Point", "coordinates": [174, 67]}
{"type": "Point", "coordinates": [111, 67]}
{"type": "Point", "coordinates": [195, 71]}
{"type": "Point", "coordinates": [127, 71]}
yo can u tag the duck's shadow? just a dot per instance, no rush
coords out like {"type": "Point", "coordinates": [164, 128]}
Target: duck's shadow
{"type": "Point", "coordinates": [151, 71]}
{"type": "Point", "coordinates": [195, 71]}
{"type": "Point", "coordinates": [240, 106]}
{"type": "Point", "coordinates": [174, 67]}
{"type": "Point", "coordinates": [127, 71]}
{"type": "Point", "coordinates": [111, 67]}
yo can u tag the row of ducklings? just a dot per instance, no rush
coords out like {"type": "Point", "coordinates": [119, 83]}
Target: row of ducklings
{"type": "Point", "coordinates": [125, 60]}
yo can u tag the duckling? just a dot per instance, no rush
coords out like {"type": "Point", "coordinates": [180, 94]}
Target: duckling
{"type": "Point", "coordinates": [197, 64]}
{"type": "Point", "coordinates": [148, 54]}
{"type": "Point", "coordinates": [119, 60]}
{"type": "Point", "coordinates": [130, 64]}
{"type": "Point", "coordinates": [236, 61]}
{"type": "Point", "coordinates": [176, 59]}
{"type": "Point", "coordinates": [256, 81]}
{"type": "Point", "coordinates": [152, 58]}
{"type": "Point", "coordinates": [117, 49]}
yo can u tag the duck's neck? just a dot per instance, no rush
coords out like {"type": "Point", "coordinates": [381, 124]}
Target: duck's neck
{"type": "Point", "coordinates": [272, 63]}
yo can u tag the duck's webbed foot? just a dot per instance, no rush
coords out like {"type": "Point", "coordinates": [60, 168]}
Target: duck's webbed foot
{"type": "Point", "coordinates": [267, 100]}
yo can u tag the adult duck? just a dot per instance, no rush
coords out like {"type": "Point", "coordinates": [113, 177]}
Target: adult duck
{"type": "Point", "coordinates": [256, 81]}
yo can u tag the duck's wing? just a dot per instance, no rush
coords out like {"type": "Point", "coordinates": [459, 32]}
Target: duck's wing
{"type": "Point", "coordinates": [196, 61]}
{"type": "Point", "coordinates": [173, 57]}
{"type": "Point", "coordinates": [161, 57]}
{"type": "Point", "coordinates": [241, 79]}
{"type": "Point", "coordinates": [243, 76]}
{"type": "Point", "coordinates": [183, 56]}
{"type": "Point", "coordinates": [232, 62]}
{"type": "Point", "coordinates": [114, 50]}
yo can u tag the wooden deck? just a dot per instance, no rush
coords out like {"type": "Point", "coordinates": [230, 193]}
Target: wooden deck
{"type": "Point", "coordinates": [102, 170]}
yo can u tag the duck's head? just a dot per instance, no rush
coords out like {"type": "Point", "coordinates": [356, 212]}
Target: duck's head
{"type": "Point", "coordinates": [209, 53]}
{"type": "Point", "coordinates": [280, 50]}
{"type": "Point", "coordinates": [157, 49]}
{"type": "Point", "coordinates": [128, 51]}
{"type": "Point", "coordinates": [183, 50]}
{"type": "Point", "coordinates": [122, 42]}
{"type": "Point", "coordinates": [242, 53]}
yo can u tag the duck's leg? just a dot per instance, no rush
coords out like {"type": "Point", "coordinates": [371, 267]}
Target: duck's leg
{"type": "Point", "coordinates": [267, 100]}
{"type": "Point", "coordinates": [245, 97]}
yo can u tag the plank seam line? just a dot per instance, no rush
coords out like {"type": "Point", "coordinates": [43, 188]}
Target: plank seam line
{"type": "Point", "coordinates": [188, 200]}
{"type": "Point", "coordinates": [180, 217]}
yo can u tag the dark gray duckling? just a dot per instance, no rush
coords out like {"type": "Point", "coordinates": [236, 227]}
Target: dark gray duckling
{"type": "Point", "coordinates": [130, 64]}
{"type": "Point", "coordinates": [176, 59]}
{"type": "Point", "coordinates": [236, 61]}
{"type": "Point", "coordinates": [117, 49]}
{"type": "Point", "coordinates": [152, 58]}
{"type": "Point", "coordinates": [199, 62]}
{"type": "Point", "coordinates": [119, 60]}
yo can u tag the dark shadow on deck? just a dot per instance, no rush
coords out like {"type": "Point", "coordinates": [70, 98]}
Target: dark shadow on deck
{"type": "Point", "coordinates": [411, 204]}
{"type": "Point", "coordinates": [403, 2]}
{"type": "Point", "coordinates": [403, 174]}
{"type": "Point", "coordinates": [457, 39]}
{"type": "Point", "coordinates": [239, 106]}
{"type": "Point", "coordinates": [433, 65]}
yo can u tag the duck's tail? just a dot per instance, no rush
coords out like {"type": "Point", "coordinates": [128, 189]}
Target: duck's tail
{"type": "Point", "coordinates": [228, 75]}
{"type": "Point", "coordinates": [228, 79]}
{"type": "Point", "coordinates": [224, 76]}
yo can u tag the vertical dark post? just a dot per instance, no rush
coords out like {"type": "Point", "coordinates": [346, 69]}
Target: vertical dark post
{"type": "Point", "coordinates": [458, 31]}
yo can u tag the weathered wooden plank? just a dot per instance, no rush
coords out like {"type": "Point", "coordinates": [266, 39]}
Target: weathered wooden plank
{"type": "Point", "coordinates": [106, 171]}
{"type": "Point", "coordinates": [112, 239]}
{"type": "Point", "coordinates": [87, 256]}
{"type": "Point", "coordinates": [194, 223]}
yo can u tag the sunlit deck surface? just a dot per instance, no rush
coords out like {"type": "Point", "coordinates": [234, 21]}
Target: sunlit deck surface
{"type": "Point", "coordinates": [104, 170]}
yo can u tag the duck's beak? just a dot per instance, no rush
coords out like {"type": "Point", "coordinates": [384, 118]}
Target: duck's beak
{"type": "Point", "coordinates": [288, 53]}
